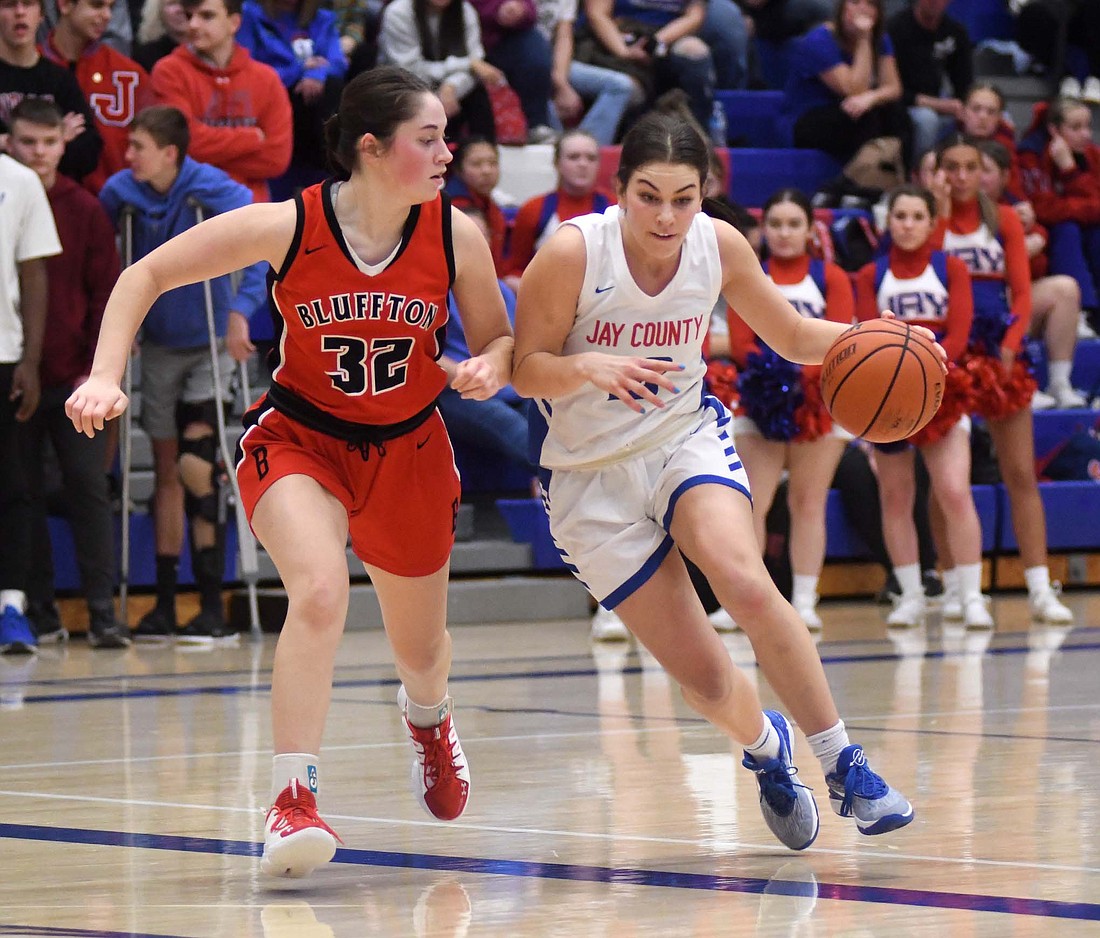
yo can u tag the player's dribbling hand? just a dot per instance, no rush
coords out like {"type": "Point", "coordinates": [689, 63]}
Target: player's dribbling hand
{"type": "Point", "coordinates": [924, 334]}
{"type": "Point", "coordinates": [93, 403]}
{"type": "Point", "coordinates": [634, 381]}
{"type": "Point", "coordinates": [476, 379]}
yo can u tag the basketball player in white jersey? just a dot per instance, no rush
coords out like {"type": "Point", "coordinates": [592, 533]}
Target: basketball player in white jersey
{"type": "Point", "coordinates": [641, 465]}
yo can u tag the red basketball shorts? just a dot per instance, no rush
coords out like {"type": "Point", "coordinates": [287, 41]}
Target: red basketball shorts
{"type": "Point", "coordinates": [401, 496]}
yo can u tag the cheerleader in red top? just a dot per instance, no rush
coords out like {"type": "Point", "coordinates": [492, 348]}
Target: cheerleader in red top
{"type": "Point", "coordinates": [927, 288]}
{"type": "Point", "coordinates": [348, 440]}
{"type": "Point", "coordinates": [473, 177]}
{"type": "Point", "coordinates": [577, 160]}
{"type": "Point", "coordinates": [781, 420]}
{"type": "Point", "coordinates": [990, 240]}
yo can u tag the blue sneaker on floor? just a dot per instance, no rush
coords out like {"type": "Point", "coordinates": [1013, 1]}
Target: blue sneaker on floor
{"type": "Point", "coordinates": [16, 634]}
{"type": "Point", "coordinates": [856, 791]}
{"type": "Point", "coordinates": [788, 806]}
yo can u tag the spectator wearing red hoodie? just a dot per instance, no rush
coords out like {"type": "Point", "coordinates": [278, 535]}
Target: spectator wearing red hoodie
{"type": "Point", "coordinates": [1060, 174]}
{"type": "Point", "coordinates": [115, 86]}
{"type": "Point", "coordinates": [237, 108]}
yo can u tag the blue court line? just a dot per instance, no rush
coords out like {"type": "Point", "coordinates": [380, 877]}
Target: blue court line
{"type": "Point", "coordinates": [45, 931]}
{"type": "Point", "coordinates": [231, 689]}
{"type": "Point", "coordinates": [886, 895]}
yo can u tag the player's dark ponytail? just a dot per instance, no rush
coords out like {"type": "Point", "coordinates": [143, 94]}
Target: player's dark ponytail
{"type": "Point", "coordinates": [373, 102]}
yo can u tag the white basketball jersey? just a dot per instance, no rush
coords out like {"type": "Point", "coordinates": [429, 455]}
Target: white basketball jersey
{"type": "Point", "coordinates": [980, 250]}
{"type": "Point", "coordinates": [588, 427]}
{"type": "Point", "coordinates": [921, 298]}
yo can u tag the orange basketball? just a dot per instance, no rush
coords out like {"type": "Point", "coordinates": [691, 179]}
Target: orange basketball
{"type": "Point", "coordinates": [882, 381]}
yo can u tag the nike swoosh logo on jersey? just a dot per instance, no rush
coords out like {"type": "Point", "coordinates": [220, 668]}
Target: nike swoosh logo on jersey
{"type": "Point", "coordinates": [423, 442]}
{"type": "Point", "coordinates": [605, 289]}
{"type": "Point", "coordinates": [318, 248]}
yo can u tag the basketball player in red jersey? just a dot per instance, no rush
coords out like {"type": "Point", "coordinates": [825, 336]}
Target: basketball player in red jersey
{"type": "Point", "coordinates": [348, 439]}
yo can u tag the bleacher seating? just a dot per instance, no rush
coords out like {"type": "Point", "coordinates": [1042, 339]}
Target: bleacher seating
{"type": "Point", "coordinates": [756, 173]}
{"type": "Point", "coordinates": [753, 117]}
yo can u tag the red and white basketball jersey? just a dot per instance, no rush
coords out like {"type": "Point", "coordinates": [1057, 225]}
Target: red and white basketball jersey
{"type": "Point", "coordinates": [357, 341]}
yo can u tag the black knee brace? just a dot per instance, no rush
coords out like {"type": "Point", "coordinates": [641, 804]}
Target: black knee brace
{"type": "Point", "coordinates": [202, 506]}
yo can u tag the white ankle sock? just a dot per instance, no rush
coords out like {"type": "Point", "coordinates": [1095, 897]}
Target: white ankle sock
{"type": "Point", "coordinates": [767, 744]}
{"type": "Point", "coordinates": [828, 744]}
{"type": "Point", "coordinates": [425, 717]}
{"type": "Point", "coordinates": [288, 765]}
{"type": "Point", "coordinates": [1037, 579]}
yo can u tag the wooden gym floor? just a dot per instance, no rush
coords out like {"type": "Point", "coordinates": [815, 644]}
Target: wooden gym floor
{"type": "Point", "coordinates": [133, 783]}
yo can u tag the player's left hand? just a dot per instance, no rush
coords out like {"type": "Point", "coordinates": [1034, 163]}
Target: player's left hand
{"type": "Point", "coordinates": [924, 334]}
{"type": "Point", "coordinates": [477, 379]}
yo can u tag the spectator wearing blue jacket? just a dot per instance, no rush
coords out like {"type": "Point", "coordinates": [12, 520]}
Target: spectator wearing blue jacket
{"type": "Point", "coordinates": [301, 42]}
{"type": "Point", "coordinates": [160, 191]}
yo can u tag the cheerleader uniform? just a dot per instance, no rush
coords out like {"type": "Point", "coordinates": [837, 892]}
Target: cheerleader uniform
{"type": "Point", "coordinates": [780, 400]}
{"type": "Point", "coordinates": [538, 218]}
{"type": "Point", "coordinates": [1001, 280]}
{"type": "Point", "coordinates": [931, 289]}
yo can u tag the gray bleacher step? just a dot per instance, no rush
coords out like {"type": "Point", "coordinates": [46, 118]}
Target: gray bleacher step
{"type": "Point", "coordinates": [469, 602]}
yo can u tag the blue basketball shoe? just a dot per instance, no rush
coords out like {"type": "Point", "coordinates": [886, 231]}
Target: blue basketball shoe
{"type": "Point", "coordinates": [858, 792]}
{"type": "Point", "coordinates": [16, 634]}
{"type": "Point", "coordinates": [788, 806]}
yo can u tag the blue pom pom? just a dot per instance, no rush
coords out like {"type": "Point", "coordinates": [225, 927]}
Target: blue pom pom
{"type": "Point", "coordinates": [771, 392]}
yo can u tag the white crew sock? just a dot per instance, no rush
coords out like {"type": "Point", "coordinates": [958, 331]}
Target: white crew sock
{"type": "Point", "coordinates": [288, 765]}
{"type": "Point", "coordinates": [767, 746]}
{"type": "Point", "coordinates": [909, 579]}
{"type": "Point", "coordinates": [970, 580]}
{"type": "Point", "coordinates": [828, 744]}
{"type": "Point", "coordinates": [804, 591]}
{"type": "Point", "coordinates": [1037, 579]}
{"type": "Point", "coordinates": [17, 599]}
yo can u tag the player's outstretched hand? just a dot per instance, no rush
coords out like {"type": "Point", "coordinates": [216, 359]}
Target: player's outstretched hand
{"type": "Point", "coordinates": [924, 334]}
{"type": "Point", "coordinates": [477, 379]}
{"type": "Point", "coordinates": [634, 381]}
{"type": "Point", "coordinates": [93, 403]}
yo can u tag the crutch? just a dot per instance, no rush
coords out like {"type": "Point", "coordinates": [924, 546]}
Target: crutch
{"type": "Point", "coordinates": [246, 545]}
{"type": "Point", "coordinates": [126, 431]}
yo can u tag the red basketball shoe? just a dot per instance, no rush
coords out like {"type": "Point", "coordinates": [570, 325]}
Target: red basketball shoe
{"type": "Point", "coordinates": [296, 840]}
{"type": "Point", "coordinates": [440, 774]}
